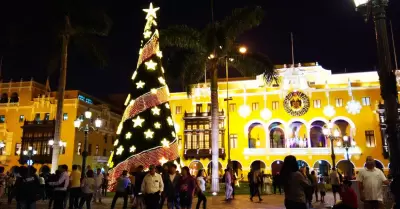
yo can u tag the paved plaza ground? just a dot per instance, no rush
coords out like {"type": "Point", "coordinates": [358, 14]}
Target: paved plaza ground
{"type": "Point", "coordinates": [216, 202]}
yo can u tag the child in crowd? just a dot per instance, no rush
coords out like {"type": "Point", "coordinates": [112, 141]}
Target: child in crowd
{"type": "Point", "coordinates": [322, 189]}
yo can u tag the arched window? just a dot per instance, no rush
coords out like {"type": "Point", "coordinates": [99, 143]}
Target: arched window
{"type": "Point", "coordinates": [14, 98]}
{"type": "Point", "coordinates": [4, 98]}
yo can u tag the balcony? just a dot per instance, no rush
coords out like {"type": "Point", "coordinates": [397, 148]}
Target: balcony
{"type": "Point", "coordinates": [39, 122]}
{"type": "Point", "coordinates": [100, 159]}
{"type": "Point", "coordinates": [192, 115]}
{"type": "Point", "coordinates": [287, 151]}
{"type": "Point", "coordinates": [202, 153]}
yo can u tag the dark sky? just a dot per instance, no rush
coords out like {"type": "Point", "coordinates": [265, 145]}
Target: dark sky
{"type": "Point", "coordinates": [329, 32]}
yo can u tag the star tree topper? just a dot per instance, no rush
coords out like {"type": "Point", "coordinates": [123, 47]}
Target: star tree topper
{"type": "Point", "coordinates": [151, 12]}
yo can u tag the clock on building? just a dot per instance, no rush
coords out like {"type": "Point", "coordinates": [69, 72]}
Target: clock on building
{"type": "Point", "coordinates": [296, 103]}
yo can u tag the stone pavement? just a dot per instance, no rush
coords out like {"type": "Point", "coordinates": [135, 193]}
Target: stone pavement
{"type": "Point", "coordinates": [217, 202]}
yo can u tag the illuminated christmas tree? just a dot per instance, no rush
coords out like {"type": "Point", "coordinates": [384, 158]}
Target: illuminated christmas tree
{"type": "Point", "coordinates": [146, 133]}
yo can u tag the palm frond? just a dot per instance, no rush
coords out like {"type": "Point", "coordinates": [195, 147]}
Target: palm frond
{"type": "Point", "coordinates": [93, 48]}
{"type": "Point", "coordinates": [194, 68]}
{"type": "Point", "coordinates": [182, 37]}
{"type": "Point", "coordinates": [241, 20]}
{"type": "Point", "coordinates": [252, 64]}
{"type": "Point", "coordinates": [99, 25]}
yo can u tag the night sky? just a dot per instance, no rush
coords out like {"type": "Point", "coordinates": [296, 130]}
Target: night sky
{"type": "Point", "coordinates": [329, 32]}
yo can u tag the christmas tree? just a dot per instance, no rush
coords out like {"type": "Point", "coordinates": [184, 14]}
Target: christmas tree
{"type": "Point", "coordinates": [146, 133]}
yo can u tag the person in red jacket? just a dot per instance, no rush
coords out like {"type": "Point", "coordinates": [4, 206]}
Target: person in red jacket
{"type": "Point", "coordinates": [349, 196]}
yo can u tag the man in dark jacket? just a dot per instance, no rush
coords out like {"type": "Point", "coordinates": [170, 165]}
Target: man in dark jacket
{"type": "Point", "coordinates": [27, 188]}
{"type": "Point", "coordinates": [171, 188]}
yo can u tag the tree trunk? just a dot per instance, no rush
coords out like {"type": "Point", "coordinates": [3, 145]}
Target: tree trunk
{"type": "Point", "coordinates": [214, 129]}
{"type": "Point", "coordinates": [60, 96]}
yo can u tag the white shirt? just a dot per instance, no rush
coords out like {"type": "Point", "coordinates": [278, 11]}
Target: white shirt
{"type": "Point", "coordinates": [152, 184]}
{"type": "Point", "coordinates": [99, 179]}
{"type": "Point", "coordinates": [64, 178]}
{"type": "Point", "coordinates": [88, 185]}
{"type": "Point", "coordinates": [172, 176]}
{"type": "Point", "coordinates": [372, 181]}
{"type": "Point", "coordinates": [334, 178]}
{"type": "Point", "coordinates": [202, 183]}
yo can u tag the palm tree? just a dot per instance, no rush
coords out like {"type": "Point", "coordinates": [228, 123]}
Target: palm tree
{"type": "Point", "coordinates": [80, 25]}
{"type": "Point", "coordinates": [210, 49]}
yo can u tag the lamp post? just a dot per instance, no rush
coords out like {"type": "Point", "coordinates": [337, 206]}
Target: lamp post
{"type": "Point", "coordinates": [241, 50]}
{"type": "Point", "coordinates": [29, 153]}
{"type": "Point", "coordinates": [61, 144]}
{"type": "Point", "coordinates": [387, 79]}
{"type": "Point", "coordinates": [332, 135]}
{"type": "Point", "coordinates": [347, 143]}
{"type": "Point", "coordinates": [86, 129]}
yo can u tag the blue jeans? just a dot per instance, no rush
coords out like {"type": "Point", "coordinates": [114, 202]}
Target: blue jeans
{"type": "Point", "coordinates": [173, 203]}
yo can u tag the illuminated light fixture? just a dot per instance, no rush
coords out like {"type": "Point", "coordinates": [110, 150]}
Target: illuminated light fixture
{"type": "Point", "coordinates": [116, 142]}
{"type": "Point", "coordinates": [132, 149]}
{"type": "Point", "coordinates": [29, 162]}
{"type": "Point", "coordinates": [88, 114]}
{"type": "Point", "coordinates": [244, 111]}
{"type": "Point", "coordinates": [134, 75]}
{"type": "Point", "coordinates": [34, 152]}
{"type": "Point", "coordinates": [25, 152]}
{"type": "Point", "coordinates": [161, 80]}
{"type": "Point", "coordinates": [353, 143]}
{"type": "Point", "coordinates": [147, 34]}
{"type": "Point", "coordinates": [339, 143]}
{"type": "Point", "coordinates": [329, 111]}
{"type": "Point", "coordinates": [157, 125]}
{"type": "Point", "coordinates": [165, 142]}
{"type": "Point", "coordinates": [159, 54]}
{"type": "Point", "coordinates": [360, 2]}
{"type": "Point", "coordinates": [173, 134]}
{"type": "Point", "coordinates": [119, 128]}
{"type": "Point", "coordinates": [155, 110]}
{"type": "Point", "coordinates": [153, 91]}
{"type": "Point", "coordinates": [170, 122]}
{"type": "Point", "coordinates": [30, 148]}
{"type": "Point", "coordinates": [128, 98]}
{"type": "Point", "coordinates": [258, 143]}
{"type": "Point", "coordinates": [242, 50]}
{"type": "Point", "coordinates": [151, 12]}
{"type": "Point", "coordinates": [211, 56]}
{"type": "Point", "coordinates": [119, 150]}
{"type": "Point", "coordinates": [128, 135]}
{"type": "Point", "coordinates": [353, 107]}
{"type": "Point", "coordinates": [98, 122]}
{"type": "Point", "coordinates": [162, 70]}
{"type": "Point", "coordinates": [51, 142]}
{"type": "Point", "coordinates": [2, 145]}
{"type": "Point", "coordinates": [148, 134]}
{"type": "Point", "coordinates": [140, 84]}
{"type": "Point", "coordinates": [151, 65]}
{"type": "Point", "coordinates": [266, 114]}
{"type": "Point", "coordinates": [163, 160]}
{"type": "Point", "coordinates": [137, 122]}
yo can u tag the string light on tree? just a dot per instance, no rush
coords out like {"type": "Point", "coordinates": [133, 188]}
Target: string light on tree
{"type": "Point", "coordinates": [173, 134]}
{"type": "Point", "coordinates": [120, 150]}
{"type": "Point", "coordinates": [128, 135]}
{"type": "Point", "coordinates": [132, 149]}
{"type": "Point", "coordinates": [151, 12]}
{"type": "Point", "coordinates": [159, 54]}
{"type": "Point", "coordinates": [116, 143]}
{"type": "Point", "coordinates": [151, 65]}
{"type": "Point", "coordinates": [157, 125]}
{"type": "Point", "coordinates": [148, 134]}
{"type": "Point", "coordinates": [162, 80]}
{"type": "Point", "coordinates": [170, 122]}
{"type": "Point", "coordinates": [137, 122]}
{"type": "Point", "coordinates": [147, 34]}
{"type": "Point", "coordinates": [167, 105]}
{"type": "Point", "coordinates": [163, 160]}
{"type": "Point", "coordinates": [134, 75]}
{"type": "Point", "coordinates": [153, 91]}
{"type": "Point", "coordinates": [140, 84]}
{"type": "Point", "coordinates": [165, 142]}
{"type": "Point", "coordinates": [155, 110]}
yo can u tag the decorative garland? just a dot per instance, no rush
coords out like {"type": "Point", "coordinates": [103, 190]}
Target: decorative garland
{"type": "Point", "coordinates": [149, 49]}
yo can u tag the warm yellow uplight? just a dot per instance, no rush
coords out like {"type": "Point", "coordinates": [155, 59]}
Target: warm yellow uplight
{"type": "Point", "coordinates": [242, 49]}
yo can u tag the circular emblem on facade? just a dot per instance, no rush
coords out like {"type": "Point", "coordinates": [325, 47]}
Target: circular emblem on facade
{"type": "Point", "coordinates": [296, 103]}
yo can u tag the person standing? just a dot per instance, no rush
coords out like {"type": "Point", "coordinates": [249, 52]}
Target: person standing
{"type": "Point", "coordinates": [228, 185]}
{"type": "Point", "coordinates": [349, 196]}
{"type": "Point", "coordinates": [75, 188]}
{"type": "Point", "coordinates": [370, 185]}
{"type": "Point", "coordinates": [335, 182]}
{"type": "Point", "coordinates": [122, 188]}
{"type": "Point", "coordinates": [88, 188]}
{"type": "Point", "coordinates": [27, 188]}
{"type": "Point", "coordinates": [314, 183]}
{"type": "Point", "coordinates": [322, 189]}
{"type": "Point", "coordinates": [201, 188]}
{"type": "Point", "coordinates": [99, 181]}
{"type": "Point", "coordinates": [251, 183]}
{"type": "Point", "coordinates": [187, 185]}
{"type": "Point", "coordinates": [104, 185]}
{"type": "Point", "coordinates": [165, 177]}
{"type": "Point", "coordinates": [276, 183]}
{"type": "Point", "coordinates": [60, 190]}
{"type": "Point", "coordinates": [295, 184]}
{"type": "Point", "coordinates": [256, 185]}
{"type": "Point", "coordinates": [171, 187]}
{"type": "Point", "coordinates": [151, 187]}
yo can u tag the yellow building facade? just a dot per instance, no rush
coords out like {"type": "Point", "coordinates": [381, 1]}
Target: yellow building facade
{"type": "Point", "coordinates": [294, 116]}
{"type": "Point", "coordinates": [27, 118]}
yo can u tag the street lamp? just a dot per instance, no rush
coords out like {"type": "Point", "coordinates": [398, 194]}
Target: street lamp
{"type": "Point", "coordinates": [332, 135]}
{"type": "Point", "coordinates": [347, 143]}
{"type": "Point", "coordinates": [243, 51]}
{"type": "Point", "coordinates": [387, 79]}
{"type": "Point", "coordinates": [89, 126]}
{"type": "Point", "coordinates": [29, 153]}
{"type": "Point", "coordinates": [61, 144]}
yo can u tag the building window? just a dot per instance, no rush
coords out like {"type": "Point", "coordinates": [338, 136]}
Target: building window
{"type": "Point", "coordinates": [2, 118]}
{"type": "Point", "coordinates": [275, 105]}
{"type": "Point", "coordinates": [339, 102]}
{"type": "Point", "coordinates": [104, 152]}
{"type": "Point", "coordinates": [17, 149]}
{"type": "Point", "coordinates": [79, 149]}
{"type": "Point", "coordinates": [21, 118]}
{"type": "Point", "coordinates": [232, 107]}
{"type": "Point", "coordinates": [97, 150]}
{"type": "Point", "coordinates": [47, 116]}
{"type": "Point", "coordinates": [209, 107]}
{"type": "Point", "coordinates": [199, 107]}
{"type": "Point", "coordinates": [37, 116]}
{"type": "Point", "coordinates": [2, 152]}
{"type": "Point", "coordinates": [105, 138]}
{"type": "Point", "coordinates": [233, 138]}
{"type": "Point", "coordinates": [254, 106]}
{"type": "Point", "coordinates": [370, 138]}
{"type": "Point", "coordinates": [65, 116]}
{"type": "Point", "coordinates": [178, 110]}
{"type": "Point", "coordinates": [90, 149]}
{"type": "Point", "coordinates": [366, 101]}
{"type": "Point", "coordinates": [317, 103]}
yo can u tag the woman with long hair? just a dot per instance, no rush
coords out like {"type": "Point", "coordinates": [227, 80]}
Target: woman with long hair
{"type": "Point", "coordinates": [201, 188]}
{"type": "Point", "coordinates": [295, 184]}
{"type": "Point", "coordinates": [88, 188]}
{"type": "Point", "coordinates": [186, 189]}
